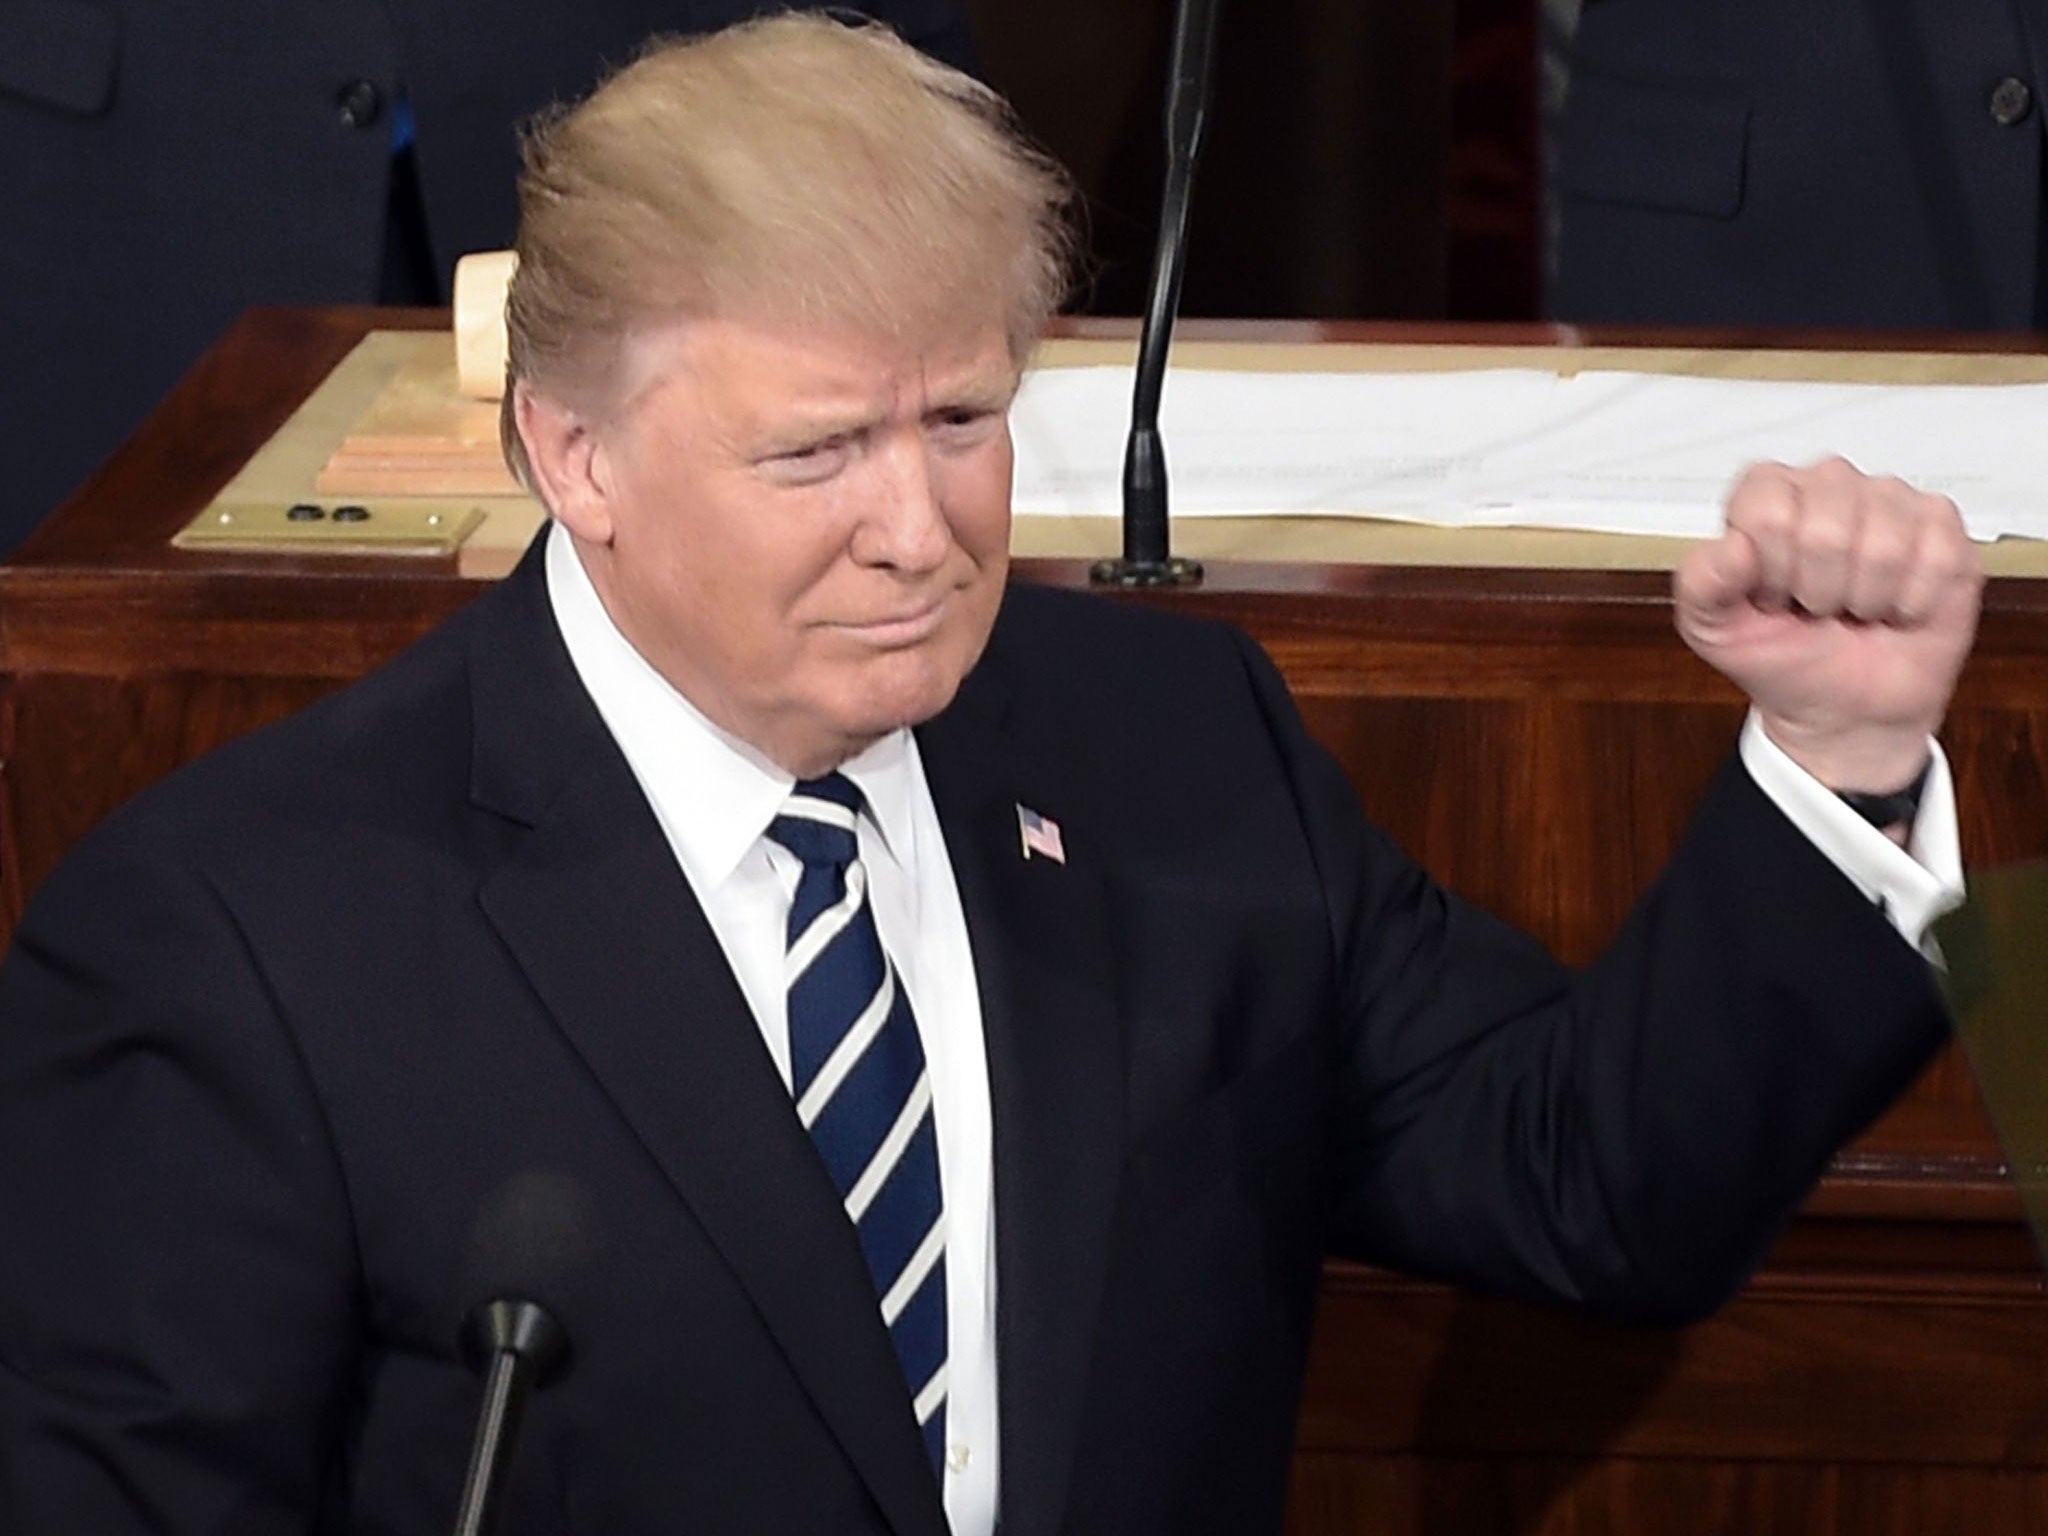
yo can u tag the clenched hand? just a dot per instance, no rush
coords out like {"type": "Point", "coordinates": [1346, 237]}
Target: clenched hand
{"type": "Point", "coordinates": [1843, 606]}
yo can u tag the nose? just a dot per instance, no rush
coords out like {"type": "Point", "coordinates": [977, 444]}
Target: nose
{"type": "Point", "coordinates": [904, 527]}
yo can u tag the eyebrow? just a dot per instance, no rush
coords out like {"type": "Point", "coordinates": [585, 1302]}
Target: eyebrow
{"type": "Point", "coordinates": [978, 394]}
{"type": "Point", "coordinates": [783, 437]}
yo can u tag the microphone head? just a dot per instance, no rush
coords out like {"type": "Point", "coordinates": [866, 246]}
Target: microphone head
{"type": "Point", "coordinates": [533, 1232]}
{"type": "Point", "coordinates": [510, 1325]}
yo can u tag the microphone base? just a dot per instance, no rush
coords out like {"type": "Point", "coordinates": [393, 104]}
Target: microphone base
{"type": "Point", "coordinates": [1171, 572]}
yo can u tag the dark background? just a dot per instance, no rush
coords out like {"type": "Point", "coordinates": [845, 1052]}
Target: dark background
{"type": "Point", "coordinates": [1365, 158]}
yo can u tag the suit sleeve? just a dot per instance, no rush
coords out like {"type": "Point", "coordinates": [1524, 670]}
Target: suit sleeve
{"type": "Point", "coordinates": [1631, 1136]}
{"type": "Point", "coordinates": [176, 1282]}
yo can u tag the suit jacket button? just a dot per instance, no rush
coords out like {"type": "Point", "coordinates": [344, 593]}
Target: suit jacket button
{"type": "Point", "coordinates": [2011, 100]}
{"type": "Point", "coordinates": [359, 104]}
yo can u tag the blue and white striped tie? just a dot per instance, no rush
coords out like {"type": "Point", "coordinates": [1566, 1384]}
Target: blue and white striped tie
{"type": "Point", "coordinates": [858, 1074]}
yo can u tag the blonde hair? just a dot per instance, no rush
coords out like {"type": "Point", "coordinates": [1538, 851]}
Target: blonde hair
{"type": "Point", "coordinates": [793, 167]}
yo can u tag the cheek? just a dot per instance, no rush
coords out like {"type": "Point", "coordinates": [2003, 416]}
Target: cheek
{"type": "Point", "coordinates": [740, 579]}
{"type": "Point", "coordinates": [977, 496]}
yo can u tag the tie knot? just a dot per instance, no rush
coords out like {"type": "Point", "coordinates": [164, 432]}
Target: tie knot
{"type": "Point", "coordinates": [817, 823]}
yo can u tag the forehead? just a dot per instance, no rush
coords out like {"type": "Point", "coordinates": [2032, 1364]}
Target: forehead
{"type": "Point", "coordinates": [741, 369]}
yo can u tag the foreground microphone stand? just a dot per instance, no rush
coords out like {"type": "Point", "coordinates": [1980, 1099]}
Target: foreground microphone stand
{"type": "Point", "coordinates": [1146, 561]}
{"type": "Point", "coordinates": [517, 1346]}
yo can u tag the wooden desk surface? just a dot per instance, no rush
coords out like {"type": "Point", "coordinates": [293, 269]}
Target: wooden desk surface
{"type": "Point", "coordinates": [237, 397]}
{"type": "Point", "coordinates": [389, 429]}
{"type": "Point", "coordinates": [116, 531]}
{"type": "Point", "coordinates": [1535, 737]}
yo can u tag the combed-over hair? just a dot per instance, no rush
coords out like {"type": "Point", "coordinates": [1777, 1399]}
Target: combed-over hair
{"type": "Point", "coordinates": [793, 168]}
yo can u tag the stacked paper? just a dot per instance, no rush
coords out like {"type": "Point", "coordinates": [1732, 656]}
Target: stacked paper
{"type": "Point", "coordinates": [1611, 452]}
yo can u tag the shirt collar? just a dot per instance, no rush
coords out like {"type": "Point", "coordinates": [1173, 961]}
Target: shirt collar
{"type": "Point", "coordinates": [713, 793]}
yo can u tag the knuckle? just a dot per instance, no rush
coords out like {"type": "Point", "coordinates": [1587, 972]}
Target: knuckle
{"type": "Point", "coordinates": [1764, 482]}
{"type": "Point", "coordinates": [1936, 512]}
{"type": "Point", "coordinates": [1943, 543]}
{"type": "Point", "coordinates": [1827, 536]}
{"type": "Point", "coordinates": [1886, 552]}
{"type": "Point", "coordinates": [1770, 513]}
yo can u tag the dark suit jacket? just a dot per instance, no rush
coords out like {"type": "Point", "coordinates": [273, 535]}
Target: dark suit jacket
{"type": "Point", "coordinates": [405, 1001]}
{"type": "Point", "coordinates": [1803, 162]}
{"type": "Point", "coordinates": [164, 164]}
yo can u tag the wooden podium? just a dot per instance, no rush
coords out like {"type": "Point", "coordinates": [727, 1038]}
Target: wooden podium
{"type": "Point", "coordinates": [1535, 737]}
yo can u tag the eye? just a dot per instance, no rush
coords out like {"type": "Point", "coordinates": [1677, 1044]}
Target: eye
{"type": "Point", "coordinates": [809, 463]}
{"type": "Point", "coordinates": [964, 426]}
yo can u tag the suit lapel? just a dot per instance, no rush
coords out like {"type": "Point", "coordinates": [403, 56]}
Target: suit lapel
{"type": "Point", "coordinates": [597, 915]}
{"type": "Point", "coordinates": [1055, 1056]}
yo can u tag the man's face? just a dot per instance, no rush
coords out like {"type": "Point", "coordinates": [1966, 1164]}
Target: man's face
{"type": "Point", "coordinates": [807, 535]}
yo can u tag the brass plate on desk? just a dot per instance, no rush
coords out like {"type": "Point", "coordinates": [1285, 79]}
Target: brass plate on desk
{"type": "Point", "coordinates": [403, 526]}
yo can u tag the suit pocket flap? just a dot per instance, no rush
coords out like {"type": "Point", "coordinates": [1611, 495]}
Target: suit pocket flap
{"type": "Point", "coordinates": [60, 53]}
{"type": "Point", "coordinates": [1672, 144]}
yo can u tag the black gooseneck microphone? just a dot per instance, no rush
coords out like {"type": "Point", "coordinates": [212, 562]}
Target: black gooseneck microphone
{"type": "Point", "coordinates": [517, 1345]}
{"type": "Point", "coordinates": [1146, 560]}
{"type": "Point", "coordinates": [533, 1231]}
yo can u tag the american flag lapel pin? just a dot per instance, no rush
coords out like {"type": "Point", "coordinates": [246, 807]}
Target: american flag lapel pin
{"type": "Point", "coordinates": [1040, 835]}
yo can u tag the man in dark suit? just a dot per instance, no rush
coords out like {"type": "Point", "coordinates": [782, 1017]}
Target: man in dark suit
{"type": "Point", "coordinates": [1805, 162]}
{"type": "Point", "coordinates": [918, 1038]}
{"type": "Point", "coordinates": [169, 164]}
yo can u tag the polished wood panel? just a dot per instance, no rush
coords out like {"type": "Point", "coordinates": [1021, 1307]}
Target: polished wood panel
{"type": "Point", "coordinates": [1535, 738]}
{"type": "Point", "coordinates": [81, 744]}
{"type": "Point", "coordinates": [1829, 1367]}
{"type": "Point", "coordinates": [1625, 1497]}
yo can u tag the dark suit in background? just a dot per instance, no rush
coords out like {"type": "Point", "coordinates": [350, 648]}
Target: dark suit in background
{"type": "Point", "coordinates": [280, 1035]}
{"type": "Point", "coordinates": [1804, 162]}
{"type": "Point", "coordinates": [164, 164]}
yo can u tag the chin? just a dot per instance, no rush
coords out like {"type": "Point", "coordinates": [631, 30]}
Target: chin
{"type": "Point", "coordinates": [908, 691]}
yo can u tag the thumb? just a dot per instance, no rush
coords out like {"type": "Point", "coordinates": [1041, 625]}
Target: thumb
{"type": "Point", "coordinates": [1716, 576]}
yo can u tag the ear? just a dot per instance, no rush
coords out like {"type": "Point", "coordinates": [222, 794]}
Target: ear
{"type": "Point", "coordinates": [568, 462]}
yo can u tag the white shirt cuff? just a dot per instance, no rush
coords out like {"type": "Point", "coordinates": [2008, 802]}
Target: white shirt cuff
{"type": "Point", "coordinates": [1914, 884]}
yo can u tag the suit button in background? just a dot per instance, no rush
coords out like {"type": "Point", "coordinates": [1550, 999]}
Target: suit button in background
{"type": "Point", "coordinates": [359, 104]}
{"type": "Point", "coordinates": [2011, 100]}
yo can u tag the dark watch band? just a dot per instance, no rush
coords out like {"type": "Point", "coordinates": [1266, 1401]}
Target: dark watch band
{"type": "Point", "coordinates": [1898, 809]}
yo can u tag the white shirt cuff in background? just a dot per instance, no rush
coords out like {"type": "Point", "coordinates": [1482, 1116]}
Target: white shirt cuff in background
{"type": "Point", "coordinates": [1916, 883]}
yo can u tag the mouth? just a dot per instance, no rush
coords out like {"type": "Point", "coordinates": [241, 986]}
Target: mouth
{"type": "Point", "coordinates": [910, 626]}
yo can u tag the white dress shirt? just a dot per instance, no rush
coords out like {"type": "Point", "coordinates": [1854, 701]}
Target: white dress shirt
{"type": "Point", "coordinates": [714, 797]}
{"type": "Point", "coordinates": [1916, 883]}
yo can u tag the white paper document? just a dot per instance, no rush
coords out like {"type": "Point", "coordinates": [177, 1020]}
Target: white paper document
{"type": "Point", "coordinates": [1610, 452]}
